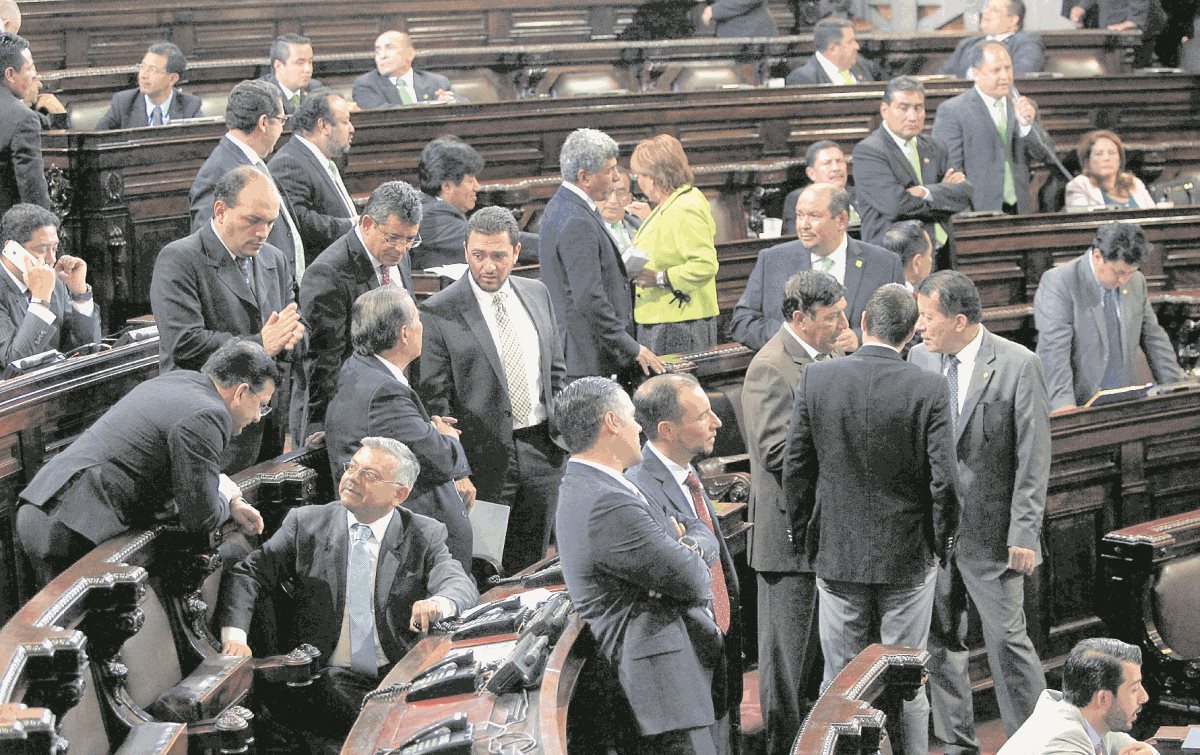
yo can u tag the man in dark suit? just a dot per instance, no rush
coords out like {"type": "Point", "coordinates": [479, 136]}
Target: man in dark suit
{"type": "Point", "coordinates": [254, 118]}
{"type": "Point", "coordinates": [825, 163]}
{"type": "Point", "coordinates": [1001, 21]}
{"type": "Point", "coordinates": [154, 101]}
{"type": "Point", "coordinates": [814, 307]}
{"type": "Point", "coordinates": [448, 176]}
{"type": "Point", "coordinates": [45, 303]}
{"type": "Point", "coordinates": [21, 175]}
{"type": "Point", "coordinates": [492, 359]}
{"type": "Point", "coordinates": [394, 81]}
{"type": "Point", "coordinates": [836, 60]}
{"type": "Point", "coordinates": [679, 424]}
{"type": "Point", "coordinates": [226, 281]}
{"type": "Point", "coordinates": [292, 70]}
{"type": "Point", "coordinates": [153, 457]}
{"type": "Point", "coordinates": [890, 188]}
{"type": "Point", "coordinates": [991, 136]}
{"type": "Point", "coordinates": [581, 267]}
{"type": "Point", "coordinates": [1146, 16]}
{"type": "Point", "coordinates": [1002, 442]}
{"type": "Point", "coordinates": [306, 170]}
{"type": "Point", "coordinates": [739, 18]}
{"type": "Point", "coordinates": [639, 578]}
{"type": "Point", "coordinates": [822, 213]}
{"type": "Point", "coordinates": [374, 253]}
{"type": "Point", "coordinates": [329, 554]}
{"type": "Point", "coordinates": [1093, 313]}
{"type": "Point", "coordinates": [373, 397]}
{"type": "Point", "coordinates": [871, 494]}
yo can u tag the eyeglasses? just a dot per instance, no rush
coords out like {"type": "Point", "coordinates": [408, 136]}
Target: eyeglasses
{"type": "Point", "coordinates": [395, 239]}
{"type": "Point", "coordinates": [369, 476]}
{"type": "Point", "coordinates": [264, 408]}
{"type": "Point", "coordinates": [149, 68]}
{"type": "Point", "coordinates": [283, 119]}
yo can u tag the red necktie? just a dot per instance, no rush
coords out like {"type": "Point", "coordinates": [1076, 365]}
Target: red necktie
{"type": "Point", "coordinates": [383, 274]}
{"type": "Point", "coordinates": [720, 591]}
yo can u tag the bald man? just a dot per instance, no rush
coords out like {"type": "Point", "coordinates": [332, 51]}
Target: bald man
{"type": "Point", "coordinates": [394, 81]}
{"type": "Point", "coordinates": [10, 16]}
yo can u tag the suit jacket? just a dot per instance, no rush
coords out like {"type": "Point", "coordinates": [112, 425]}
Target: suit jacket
{"type": "Point", "coordinates": [589, 287]}
{"type": "Point", "coordinates": [317, 205]}
{"type": "Point", "coordinates": [1026, 49]}
{"type": "Point", "coordinates": [128, 109]}
{"type": "Point", "coordinates": [310, 550]}
{"type": "Point", "coordinates": [200, 299]}
{"type": "Point", "coordinates": [1147, 14]}
{"type": "Point", "coordinates": [373, 89]}
{"type": "Point", "coordinates": [23, 334]}
{"type": "Point", "coordinates": [871, 494]}
{"type": "Point", "coordinates": [22, 178]}
{"type": "Point", "coordinates": [443, 232]}
{"type": "Point", "coordinates": [742, 18]}
{"type": "Point", "coordinates": [810, 72]}
{"type": "Point", "coordinates": [965, 126]}
{"type": "Point", "coordinates": [1002, 441]}
{"type": "Point", "coordinates": [154, 457]}
{"type": "Point", "coordinates": [1057, 728]}
{"type": "Point", "coordinates": [678, 237]}
{"type": "Point", "coordinates": [759, 312]}
{"type": "Point", "coordinates": [312, 86]}
{"type": "Point", "coordinates": [462, 375]}
{"type": "Point", "coordinates": [369, 401]}
{"type": "Point", "coordinates": [616, 549]}
{"type": "Point", "coordinates": [1068, 312]}
{"type": "Point", "coordinates": [224, 158]}
{"type": "Point", "coordinates": [1084, 192]}
{"type": "Point", "coordinates": [882, 176]}
{"type": "Point", "coordinates": [341, 274]}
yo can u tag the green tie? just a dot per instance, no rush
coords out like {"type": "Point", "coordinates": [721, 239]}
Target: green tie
{"type": "Point", "coordinates": [406, 97]}
{"type": "Point", "coordinates": [824, 264]}
{"type": "Point", "coordinates": [854, 218]}
{"type": "Point", "coordinates": [910, 149]}
{"type": "Point", "coordinates": [1001, 119]}
{"type": "Point", "coordinates": [295, 100]}
{"type": "Point", "coordinates": [845, 74]}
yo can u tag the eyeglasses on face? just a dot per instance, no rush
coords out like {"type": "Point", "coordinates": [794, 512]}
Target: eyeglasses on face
{"type": "Point", "coordinates": [368, 476]}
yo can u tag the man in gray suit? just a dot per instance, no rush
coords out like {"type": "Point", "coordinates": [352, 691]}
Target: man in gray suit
{"type": "Point", "coordinates": [814, 309]}
{"type": "Point", "coordinates": [153, 457]}
{"type": "Point", "coordinates": [836, 60]}
{"type": "Point", "coordinates": [394, 81]}
{"type": "Point", "coordinates": [1092, 313]}
{"type": "Point", "coordinates": [361, 626]}
{"type": "Point", "coordinates": [1002, 437]}
{"type": "Point", "coordinates": [991, 135]}
{"type": "Point", "coordinates": [639, 578]}
{"type": "Point", "coordinates": [739, 18]}
{"type": "Point", "coordinates": [21, 176]}
{"type": "Point", "coordinates": [1001, 21]}
{"type": "Point", "coordinates": [154, 101]}
{"type": "Point", "coordinates": [822, 215]}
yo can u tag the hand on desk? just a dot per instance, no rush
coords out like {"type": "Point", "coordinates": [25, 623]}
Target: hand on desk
{"type": "Point", "coordinates": [424, 613]}
{"type": "Point", "coordinates": [233, 647]}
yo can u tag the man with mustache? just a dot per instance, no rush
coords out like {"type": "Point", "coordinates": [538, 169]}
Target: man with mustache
{"type": "Point", "coordinates": [367, 576]}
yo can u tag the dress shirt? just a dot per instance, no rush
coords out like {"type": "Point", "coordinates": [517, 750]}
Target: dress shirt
{"type": "Point", "coordinates": [833, 72]}
{"type": "Point", "coordinates": [1093, 736]}
{"type": "Point", "coordinates": [253, 272]}
{"type": "Point", "coordinates": [287, 93]}
{"type": "Point", "coordinates": [990, 102]}
{"type": "Point", "coordinates": [619, 234]}
{"type": "Point", "coordinates": [341, 651]}
{"type": "Point", "coordinates": [395, 371]}
{"type": "Point", "coordinates": [394, 278]}
{"type": "Point", "coordinates": [838, 257]}
{"type": "Point", "coordinates": [812, 353]}
{"type": "Point", "coordinates": [165, 107]}
{"type": "Point", "coordinates": [966, 365]}
{"type": "Point", "coordinates": [409, 81]}
{"type": "Point", "coordinates": [43, 312]}
{"type": "Point", "coordinates": [902, 144]}
{"type": "Point", "coordinates": [616, 476]}
{"type": "Point", "coordinates": [679, 473]}
{"type": "Point", "coordinates": [999, 37]}
{"type": "Point", "coordinates": [527, 337]}
{"type": "Point", "coordinates": [590, 203]}
{"type": "Point", "coordinates": [325, 161]}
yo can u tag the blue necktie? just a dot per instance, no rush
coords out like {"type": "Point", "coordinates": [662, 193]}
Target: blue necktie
{"type": "Point", "coordinates": [243, 264]}
{"type": "Point", "coordinates": [952, 378]}
{"type": "Point", "coordinates": [156, 116]}
{"type": "Point", "coordinates": [360, 597]}
{"type": "Point", "coordinates": [1114, 370]}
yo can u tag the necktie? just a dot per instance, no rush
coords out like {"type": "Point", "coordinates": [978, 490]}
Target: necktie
{"type": "Point", "coordinates": [914, 160]}
{"type": "Point", "coordinates": [952, 378]}
{"type": "Point", "coordinates": [510, 358]}
{"type": "Point", "coordinates": [156, 116]}
{"type": "Point", "coordinates": [845, 76]}
{"type": "Point", "coordinates": [854, 217]}
{"type": "Point", "coordinates": [719, 589]}
{"type": "Point", "coordinates": [360, 597]}
{"type": "Point", "coordinates": [618, 233]}
{"type": "Point", "coordinates": [295, 100]}
{"type": "Point", "coordinates": [384, 278]}
{"type": "Point", "coordinates": [1114, 370]}
{"type": "Point", "coordinates": [825, 264]}
{"type": "Point", "coordinates": [243, 264]}
{"type": "Point", "coordinates": [1099, 748]}
{"type": "Point", "coordinates": [1000, 116]}
{"type": "Point", "coordinates": [336, 175]}
{"type": "Point", "coordinates": [287, 218]}
{"type": "Point", "coordinates": [406, 95]}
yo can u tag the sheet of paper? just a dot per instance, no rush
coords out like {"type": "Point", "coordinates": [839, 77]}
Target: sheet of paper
{"type": "Point", "coordinates": [489, 524]}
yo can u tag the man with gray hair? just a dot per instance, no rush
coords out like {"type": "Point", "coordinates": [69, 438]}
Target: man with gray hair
{"type": "Point", "coordinates": [582, 268]}
{"type": "Point", "coordinates": [387, 567]}
{"type": "Point", "coordinates": [638, 577]}
{"type": "Point", "coordinates": [492, 358]}
{"type": "Point", "coordinates": [154, 101]}
{"type": "Point", "coordinates": [374, 253]}
{"type": "Point", "coordinates": [373, 397]}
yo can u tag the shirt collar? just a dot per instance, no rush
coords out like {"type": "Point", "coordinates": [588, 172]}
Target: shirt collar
{"type": "Point", "coordinates": [378, 527]}
{"type": "Point", "coordinates": [571, 185]}
{"type": "Point", "coordinates": [899, 142]}
{"type": "Point", "coordinates": [838, 255]}
{"type": "Point", "coordinates": [165, 106]}
{"type": "Point", "coordinates": [999, 37]}
{"type": "Point", "coordinates": [375, 263]}
{"type": "Point", "coordinates": [679, 473]}
{"type": "Point", "coordinates": [1093, 735]}
{"type": "Point", "coordinates": [395, 371]}
{"type": "Point", "coordinates": [831, 70]}
{"type": "Point", "coordinates": [407, 78]}
{"type": "Point", "coordinates": [321, 157]}
{"type": "Point", "coordinates": [287, 93]}
{"type": "Point", "coordinates": [812, 353]}
{"type": "Point", "coordinates": [990, 102]}
{"type": "Point", "coordinates": [969, 353]}
{"type": "Point", "coordinates": [213, 225]}
{"type": "Point", "coordinates": [250, 154]}
{"type": "Point", "coordinates": [483, 297]}
{"type": "Point", "coordinates": [1091, 266]}
{"type": "Point", "coordinates": [613, 474]}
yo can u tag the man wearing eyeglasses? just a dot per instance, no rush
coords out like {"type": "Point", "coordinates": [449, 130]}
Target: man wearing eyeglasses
{"type": "Point", "coordinates": [374, 253]}
{"type": "Point", "coordinates": [226, 281]}
{"type": "Point", "coordinates": [153, 458]}
{"type": "Point", "coordinates": [154, 101]}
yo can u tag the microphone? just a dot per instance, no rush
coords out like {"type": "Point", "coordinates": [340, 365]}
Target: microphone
{"type": "Point", "coordinates": [1034, 131]}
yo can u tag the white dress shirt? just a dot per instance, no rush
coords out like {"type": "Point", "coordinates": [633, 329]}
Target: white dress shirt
{"type": "Point", "coordinates": [679, 473]}
{"type": "Point", "coordinates": [990, 103]}
{"type": "Point", "coordinates": [165, 107]}
{"type": "Point", "coordinates": [966, 366]}
{"type": "Point", "coordinates": [838, 257]}
{"type": "Point", "coordinates": [334, 174]}
{"type": "Point", "coordinates": [833, 72]}
{"type": "Point", "coordinates": [394, 278]}
{"type": "Point", "coordinates": [590, 203]}
{"type": "Point", "coordinates": [527, 338]}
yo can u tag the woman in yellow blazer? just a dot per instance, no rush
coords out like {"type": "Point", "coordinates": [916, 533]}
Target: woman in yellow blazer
{"type": "Point", "coordinates": [675, 304]}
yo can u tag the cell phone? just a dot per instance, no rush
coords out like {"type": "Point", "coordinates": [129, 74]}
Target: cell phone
{"type": "Point", "coordinates": [20, 256]}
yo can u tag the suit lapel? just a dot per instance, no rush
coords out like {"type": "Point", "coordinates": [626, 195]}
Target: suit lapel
{"type": "Point", "coordinates": [390, 92]}
{"type": "Point", "coordinates": [606, 238]}
{"type": "Point", "coordinates": [472, 315]}
{"type": "Point", "coordinates": [854, 270]}
{"type": "Point", "coordinates": [307, 155]}
{"type": "Point", "coordinates": [666, 482]}
{"type": "Point", "coordinates": [981, 375]}
{"type": "Point", "coordinates": [542, 323]}
{"type": "Point", "coordinates": [898, 156]}
{"type": "Point", "coordinates": [227, 270]}
{"type": "Point", "coordinates": [138, 116]}
{"type": "Point", "coordinates": [337, 554]}
{"type": "Point", "coordinates": [1090, 288]}
{"type": "Point", "coordinates": [362, 263]}
{"type": "Point", "coordinates": [176, 110]}
{"type": "Point", "coordinates": [390, 551]}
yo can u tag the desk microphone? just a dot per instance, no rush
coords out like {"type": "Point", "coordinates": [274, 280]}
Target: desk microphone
{"type": "Point", "coordinates": [1012, 88]}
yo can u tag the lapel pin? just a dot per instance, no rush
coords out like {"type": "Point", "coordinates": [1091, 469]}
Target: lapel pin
{"type": "Point", "coordinates": [984, 376]}
{"type": "Point", "coordinates": [858, 263]}
{"type": "Point", "coordinates": [1124, 292]}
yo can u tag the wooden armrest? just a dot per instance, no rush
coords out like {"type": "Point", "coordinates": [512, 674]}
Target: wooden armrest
{"type": "Point", "coordinates": [217, 683]}
{"type": "Point", "coordinates": [155, 738]}
{"type": "Point", "coordinates": [296, 669]}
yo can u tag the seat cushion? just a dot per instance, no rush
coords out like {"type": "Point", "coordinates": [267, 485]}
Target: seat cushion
{"type": "Point", "coordinates": [1177, 604]}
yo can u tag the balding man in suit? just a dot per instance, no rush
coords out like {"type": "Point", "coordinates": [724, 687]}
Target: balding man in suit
{"type": "Point", "coordinates": [836, 60]}
{"type": "Point", "coordinates": [394, 81]}
{"type": "Point", "coordinates": [1001, 21]}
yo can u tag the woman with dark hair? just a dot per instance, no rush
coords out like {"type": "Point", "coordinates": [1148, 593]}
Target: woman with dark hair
{"type": "Point", "coordinates": [1104, 180]}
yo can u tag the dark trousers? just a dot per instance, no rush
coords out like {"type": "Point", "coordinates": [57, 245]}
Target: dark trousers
{"type": "Point", "coordinates": [50, 546]}
{"type": "Point", "coordinates": [789, 654]}
{"type": "Point", "coordinates": [531, 493]}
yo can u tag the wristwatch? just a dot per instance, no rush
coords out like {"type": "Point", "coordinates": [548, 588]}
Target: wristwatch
{"type": "Point", "coordinates": [86, 295]}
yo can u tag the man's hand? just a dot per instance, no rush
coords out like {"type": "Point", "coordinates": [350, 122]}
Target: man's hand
{"type": "Point", "coordinates": [466, 491]}
{"type": "Point", "coordinates": [444, 95]}
{"type": "Point", "coordinates": [706, 15]}
{"type": "Point", "coordinates": [1021, 560]}
{"type": "Point", "coordinates": [847, 341]}
{"type": "Point", "coordinates": [283, 330]}
{"type": "Point", "coordinates": [920, 192]}
{"type": "Point", "coordinates": [649, 362]}
{"type": "Point", "coordinates": [424, 613]}
{"type": "Point", "coordinates": [246, 517]}
{"type": "Point", "coordinates": [1076, 16]}
{"type": "Point", "coordinates": [72, 271]}
{"type": "Point", "coordinates": [233, 647]}
{"type": "Point", "coordinates": [954, 177]}
{"type": "Point", "coordinates": [316, 440]}
{"type": "Point", "coordinates": [40, 279]}
{"type": "Point", "coordinates": [1123, 26]}
{"type": "Point", "coordinates": [1063, 410]}
{"type": "Point", "coordinates": [49, 103]}
{"type": "Point", "coordinates": [1026, 110]}
{"type": "Point", "coordinates": [679, 528]}
{"type": "Point", "coordinates": [638, 209]}
{"type": "Point", "coordinates": [647, 278]}
{"type": "Point", "coordinates": [445, 426]}
{"type": "Point", "coordinates": [1137, 748]}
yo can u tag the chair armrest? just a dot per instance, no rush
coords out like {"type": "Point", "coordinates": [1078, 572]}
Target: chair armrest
{"type": "Point", "coordinates": [217, 683]}
{"type": "Point", "coordinates": [296, 669]}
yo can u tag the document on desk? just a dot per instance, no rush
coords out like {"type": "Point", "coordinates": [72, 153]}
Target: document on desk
{"type": "Point", "coordinates": [489, 526]}
{"type": "Point", "coordinates": [1192, 740]}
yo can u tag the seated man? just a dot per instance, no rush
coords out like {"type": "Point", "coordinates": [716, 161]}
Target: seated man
{"type": "Point", "coordinates": [1001, 21]}
{"type": "Point", "coordinates": [155, 101]}
{"type": "Point", "coordinates": [292, 70]}
{"type": "Point", "coordinates": [394, 81]}
{"type": "Point", "coordinates": [1092, 313]}
{"type": "Point", "coordinates": [44, 303]}
{"type": "Point", "coordinates": [341, 558]}
{"type": "Point", "coordinates": [1101, 696]}
{"type": "Point", "coordinates": [825, 162]}
{"type": "Point", "coordinates": [153, 458]}
{"type": "Point", "coordinates": [836, 60]}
